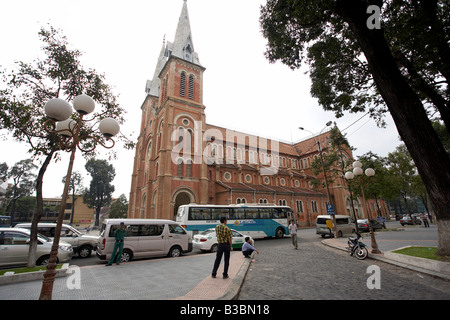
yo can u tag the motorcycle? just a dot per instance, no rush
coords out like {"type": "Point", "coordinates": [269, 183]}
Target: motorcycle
{"type": "Point", "coordinates": [357, 248]}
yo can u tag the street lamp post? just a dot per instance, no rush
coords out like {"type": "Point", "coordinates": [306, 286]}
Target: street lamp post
{"type": "Point", "coordinates": [358, 171]}
{"type": "Point", "coordinates": [348, 176]}
{"type": "Point", "coordinates": [71, 133]}
{"type": "Point", "coordinates": [323, 170]}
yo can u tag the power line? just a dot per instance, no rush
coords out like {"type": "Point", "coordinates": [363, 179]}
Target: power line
{"type": "Point", "coordinates": [355, 122]}
{"type": "Point", "coordinates": [360, 127]}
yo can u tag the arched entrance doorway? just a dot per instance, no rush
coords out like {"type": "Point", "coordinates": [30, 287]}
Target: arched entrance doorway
{"type": "Point", "coordinates": [181, 197]}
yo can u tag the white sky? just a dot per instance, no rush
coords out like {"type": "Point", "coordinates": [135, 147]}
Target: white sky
{"type": "Point", "coordinates": [122, 39]}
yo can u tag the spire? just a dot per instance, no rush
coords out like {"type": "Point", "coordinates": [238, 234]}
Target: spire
{"type": "Point", "coordinates": [183, 46]}
{"type": "Point", "coordinates": [152, 87]}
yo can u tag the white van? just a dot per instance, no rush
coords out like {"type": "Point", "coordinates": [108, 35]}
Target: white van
{"type": "Point", "coordinates": [344, 224]}
{"type": "Point", "coordinates": [144, 238]}
{"type": "Point", "coordinates": [81, 243]}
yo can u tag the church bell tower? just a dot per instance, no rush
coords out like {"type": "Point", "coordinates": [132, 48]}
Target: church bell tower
{"type": "Point", "coordinates": [166, 171]}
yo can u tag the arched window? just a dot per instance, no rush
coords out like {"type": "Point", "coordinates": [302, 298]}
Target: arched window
{"type": "Point", "coordinates": [183, 84]}
{"type": "Point", "coordinates": [144, 201]}
{"type": "Point", "coordinates": [299, 206]}
{"type": "Point", "coordinates": [188, 168]}
{"type": "Point", "coordinates": [180, 167]}
{"type": "Point", "coordinates": [314, 206]}
{"type": "Point", "coordinates": [191, 87]}
{"type": "Point", "coordinates": [164, 93]}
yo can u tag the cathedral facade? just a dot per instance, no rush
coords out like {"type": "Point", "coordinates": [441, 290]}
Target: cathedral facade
{"type": "Point", "coordinates": [182, 159]}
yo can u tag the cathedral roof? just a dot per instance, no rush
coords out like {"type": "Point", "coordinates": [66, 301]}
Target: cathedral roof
{"type": "Point", "coordinates": [229, 135]}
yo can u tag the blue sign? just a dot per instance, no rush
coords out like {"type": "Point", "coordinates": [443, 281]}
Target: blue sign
{"type": "Point", "coordinates": [330, 209]}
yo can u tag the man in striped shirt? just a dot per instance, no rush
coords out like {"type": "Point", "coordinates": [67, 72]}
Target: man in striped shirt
{"type": "Point", "coordinates": [224, 237]}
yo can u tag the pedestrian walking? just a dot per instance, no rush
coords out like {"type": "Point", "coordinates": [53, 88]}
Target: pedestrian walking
{"type": "Point", "coordinates": [425, 221]}
{"type": "Point", "coordinates": [119, 235]}
{"type": "Point", "coordinates": [224, 238]}
{"type": "Point", "coordinates": [293, 233]}
{"type": "Point", "coordinates": [248, 250]}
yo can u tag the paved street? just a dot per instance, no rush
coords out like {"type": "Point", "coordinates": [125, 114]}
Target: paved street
{"type": "Point", "coordinates": [314, 272]}
{"type": "Point", "coordinates": [317, 272]}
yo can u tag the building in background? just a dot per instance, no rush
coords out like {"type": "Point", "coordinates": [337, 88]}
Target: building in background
{"type": "Point", "coordinates": [182, 159]}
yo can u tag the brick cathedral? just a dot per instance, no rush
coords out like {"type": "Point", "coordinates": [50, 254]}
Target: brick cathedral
{"type": "Point", "coordinates": [182, 159]}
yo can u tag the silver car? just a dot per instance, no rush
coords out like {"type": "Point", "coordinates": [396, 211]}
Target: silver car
{"type": "Point", "coordinates": [81, 243]}
{"type": "Point", "coordinates": [14, 246]}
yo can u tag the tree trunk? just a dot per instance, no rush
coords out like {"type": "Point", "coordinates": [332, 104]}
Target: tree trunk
{"type": "Point", "coordinates": [408, 113]}
{"type": "Point", "coordinates": [38, 213]}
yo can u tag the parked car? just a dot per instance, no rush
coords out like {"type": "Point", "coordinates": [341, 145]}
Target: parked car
{"type": "Point", "coordinates": [14, 247]}
{"type": "Point", "coordinates": [81, 243]}
{"type": "Point", "coordinates": [363, 225]}
{"type": "Point", "coordinates": [207, 240]}
{"type": "Point", "coordinates": [410, 220]}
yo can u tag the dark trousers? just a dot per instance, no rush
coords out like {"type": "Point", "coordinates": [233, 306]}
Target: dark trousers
{"type": "Point", "coordinates": [222, 249]}
{"type": "Point", "coordinates": [247, 253]}
{"type": "Point", "coordinates": [116, 254]}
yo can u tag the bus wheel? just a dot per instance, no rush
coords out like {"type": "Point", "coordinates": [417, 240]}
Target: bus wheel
{"type": "Point", "coordinates": [279, 233]}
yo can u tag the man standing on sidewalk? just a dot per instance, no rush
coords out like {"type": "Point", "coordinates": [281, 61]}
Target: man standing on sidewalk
{"type": "Point", "coordinates": [116, 255]}
{"type": "Point", "coordinates": [293, 233]}
{"type": "Point", "coordinates": [224, 237]}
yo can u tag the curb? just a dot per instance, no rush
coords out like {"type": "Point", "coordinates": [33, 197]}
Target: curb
{"type": "Point", "coordinates": [407, 262]}
{"type": "Point", "coordinates": [31, 276]}
{"type": "Point", "coordinates": [235, 287]}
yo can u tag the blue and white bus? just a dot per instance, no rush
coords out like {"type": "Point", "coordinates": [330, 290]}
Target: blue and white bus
{"type": "Point", "coordinates": [5, 221]}
{"type": "Point", "coordinates": [257, 221]}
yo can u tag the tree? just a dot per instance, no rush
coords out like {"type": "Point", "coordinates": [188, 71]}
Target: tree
{"type": "Point", "coordinates": [331, 155]}
{"type": "Point", "coordinates": [356, 65]}
{"type": "Point", "coordinates": [3, 171]}
{"type": "Point", "coordinates": [23, 182]}
{"type": "Point", "coordinates": [100, 189]}
{"type": "Point", "coordinates": [25, 206]}
{"type": "Point", "coordinates": [403, 171]}
{"type": "Point", "coordinates": [119, 207]}
{"type": "Point", "coordinates": [443, 134]}
{"type": "Point", "coordinates": [76, 185]}
{"type": "Point", "coordinates": [26, 90]}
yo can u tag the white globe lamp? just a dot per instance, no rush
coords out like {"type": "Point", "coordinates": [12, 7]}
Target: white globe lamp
{"type": "Point", "coordinates": [58, 109]}
{"type": "Point", "coordinates": [369, 172]}
{"type": "Point", "coordinates": [67, 126]}
{"type": "Point", "coordinates": [349, 175]}
{"type": "Point", "coordinates": [84, 104]}
{"type": "Point", "coordinates": [109, 127]}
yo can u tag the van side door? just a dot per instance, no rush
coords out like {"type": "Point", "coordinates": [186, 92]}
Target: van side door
{"type": "Point", "coordinates": [152, 240]}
